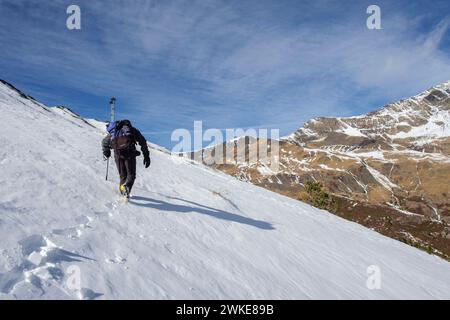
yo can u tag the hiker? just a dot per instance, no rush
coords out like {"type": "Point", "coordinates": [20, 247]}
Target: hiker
{"type": "Point", "coordinates": [122, 137]}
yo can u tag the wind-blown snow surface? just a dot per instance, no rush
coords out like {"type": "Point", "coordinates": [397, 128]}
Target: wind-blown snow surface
{"type": "Point", "coordinates": [188, 232]}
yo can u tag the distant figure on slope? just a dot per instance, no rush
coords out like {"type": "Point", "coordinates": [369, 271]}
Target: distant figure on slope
{"type": "Point", "coordinates": [122, 137]}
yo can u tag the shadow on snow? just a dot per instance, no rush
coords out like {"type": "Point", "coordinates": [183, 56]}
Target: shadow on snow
{"type": "Point", "coordinates": [199, 208]}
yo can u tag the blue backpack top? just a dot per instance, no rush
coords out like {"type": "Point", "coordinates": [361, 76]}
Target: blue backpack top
{"type": "Point", "coordinates": [119, 128]}
{"type": "Point", "coordinates": [121, 134]}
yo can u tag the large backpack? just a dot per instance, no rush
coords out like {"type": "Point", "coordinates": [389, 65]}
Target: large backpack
{"type": "Point", "coordinates": [121, 135]}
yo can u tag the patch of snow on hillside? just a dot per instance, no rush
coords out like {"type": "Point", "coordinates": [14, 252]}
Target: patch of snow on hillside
{"type": "Point", "coordinates": [438, 126]}
{"type": "Point", "coordinates": [382, 179]}
{"type": "Point", "coordinates": [349, 130]}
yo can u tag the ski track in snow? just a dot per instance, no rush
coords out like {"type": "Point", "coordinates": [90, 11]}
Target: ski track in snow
{"type": "Point", "coordinates": [188, 232]}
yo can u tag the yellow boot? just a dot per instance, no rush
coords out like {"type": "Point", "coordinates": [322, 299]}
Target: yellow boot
{"type": "Point", "coordinates": [123, 189]}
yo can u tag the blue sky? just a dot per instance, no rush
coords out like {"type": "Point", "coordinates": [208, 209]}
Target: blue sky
{"type": "Point", "coordinates": [247, 63]}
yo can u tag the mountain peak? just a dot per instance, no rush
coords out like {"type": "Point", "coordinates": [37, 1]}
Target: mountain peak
{"type": "Point", "coordinates": [425, 115]}
{"type": "Point", "coordinates": [444, 85]}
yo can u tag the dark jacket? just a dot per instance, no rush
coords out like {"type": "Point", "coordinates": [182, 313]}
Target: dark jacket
{"type": "Point", "coordinates": [137, 137]}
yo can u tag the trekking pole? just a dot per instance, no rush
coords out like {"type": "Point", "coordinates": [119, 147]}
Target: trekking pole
{"type": "Point", "coordinates": [112, 105]}
{"type": "Point", "coordinates": [107, 168]}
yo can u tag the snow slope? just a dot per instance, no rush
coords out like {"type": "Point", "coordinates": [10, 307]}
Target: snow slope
{"type": "Point", "coordinates": [189, 232]}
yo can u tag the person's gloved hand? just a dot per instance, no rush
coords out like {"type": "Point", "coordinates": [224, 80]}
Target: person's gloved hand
{"type": "Point", "coordinates": [147, 161]}
{"type": "Point", "coordinates": [107, 153]}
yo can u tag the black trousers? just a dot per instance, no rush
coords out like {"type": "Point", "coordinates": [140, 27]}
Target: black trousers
{"type": "Point", "coordinates": [127, 170]}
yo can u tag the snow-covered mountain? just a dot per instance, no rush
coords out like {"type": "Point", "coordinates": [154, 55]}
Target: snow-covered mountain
{"type": "Point", "coordinates": [188, 232]}
{"type": "Point", "coordinates": [413, 123]}
{"type": "Point", "coordinates": [388, 170]}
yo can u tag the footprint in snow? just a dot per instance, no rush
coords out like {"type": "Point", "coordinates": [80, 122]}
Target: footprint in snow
{"type": "Point", "coordinates": [75, 232]}
{"type": "Point", "coordinates": [72, 232]}
{"type": "Point", "coordinates": [116, 260]}
{"type": "Point", "coordinates": [40, 267]}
